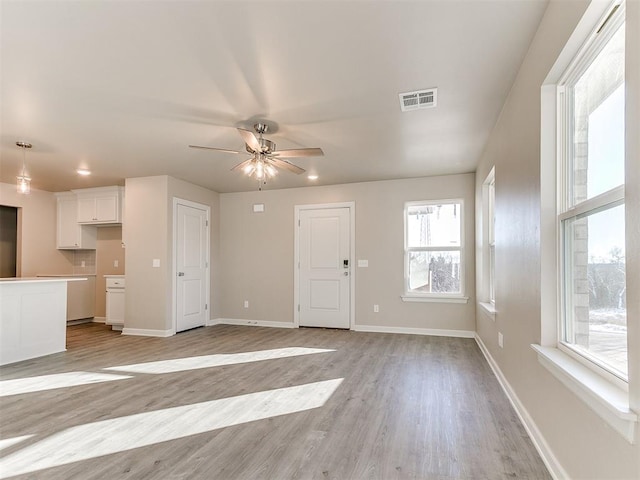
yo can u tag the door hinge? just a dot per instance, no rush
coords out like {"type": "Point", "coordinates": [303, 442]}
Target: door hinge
{"type": "Point", "coordinates": [206, 306]}
{"type": "Point", "coordinates": [298, 307]}
{"type": "Point", "coordinates": [298, 222]}
{"type": "Point", "coordinates": [206, 223]}
{"type": "Point", "coordinates": [206, 264]}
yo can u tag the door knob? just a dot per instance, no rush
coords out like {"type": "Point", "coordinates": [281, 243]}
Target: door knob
{"type": "Point", "coordinates": [346, 274]}
{"type": "Point", "coordinates": [181, 274]}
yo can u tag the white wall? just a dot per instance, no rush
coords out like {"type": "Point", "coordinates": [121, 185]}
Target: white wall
{"type": "Point", "coordinates": [581, 442]}
{"type": "Point", "coordinates": [37, 232]}
{"type": "Point", "coordinates": [257, 252]}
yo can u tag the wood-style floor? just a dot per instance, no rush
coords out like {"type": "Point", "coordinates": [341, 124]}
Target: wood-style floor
{"type": "Point", "coordinates": [413, 407]}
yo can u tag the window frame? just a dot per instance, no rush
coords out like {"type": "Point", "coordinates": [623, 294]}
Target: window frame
{"type": "Point", "coordinates": [489, 201]}
{"type": "Point", "coordinates": [566, 207]}
{"type": "Point", "coordinates": [409, 296]}
{"type": "Point", "coordinates": [607, 397]}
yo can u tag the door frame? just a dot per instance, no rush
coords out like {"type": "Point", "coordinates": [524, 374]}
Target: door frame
{"type": "Point", "coordinates": [352, 255]}
{"type": "Point", "coordinates": [174, 261]}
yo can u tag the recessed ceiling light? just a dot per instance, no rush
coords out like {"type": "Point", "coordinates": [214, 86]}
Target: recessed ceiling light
{"type": "Point", "coordinates": [312, 177]}
{"type": "Point", "coordinates": [83, 171]}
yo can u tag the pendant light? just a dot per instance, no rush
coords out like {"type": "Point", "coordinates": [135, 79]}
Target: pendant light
{"type": "Point", "coordinates": [24, 181]}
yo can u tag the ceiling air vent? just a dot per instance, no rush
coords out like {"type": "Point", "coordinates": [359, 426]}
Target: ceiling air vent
{"type": "Point", "coordinates": [417, 100]}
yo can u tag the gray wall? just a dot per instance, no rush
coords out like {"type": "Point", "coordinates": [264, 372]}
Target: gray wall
{"type": "Point", "coordinates": [148, 235]}
{"type": "Point", "coordinates": [581, 442]}
{"type": "Point", "coordinates": [257, 252]}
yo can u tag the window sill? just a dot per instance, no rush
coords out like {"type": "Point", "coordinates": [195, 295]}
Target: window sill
{"type": "Point", "coordinates": [489, 309]}
{"type": "Point", "coordinates": [608, 400]}
{"type": "Point", "coordinates": [435, 298]}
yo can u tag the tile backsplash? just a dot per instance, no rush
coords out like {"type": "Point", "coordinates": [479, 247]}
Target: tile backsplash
{"type": "Point", "coordinates": [84, 262]}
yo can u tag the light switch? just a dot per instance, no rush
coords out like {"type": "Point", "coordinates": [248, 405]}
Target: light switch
{"type": "Point", "coordinates": [363, 263]}
{"type": "Point", "coordinates": [115, 263]}
{"type": "Point", "coordinates": [156, 262]}
{"type": "Point", "coordinates": [258, 207]}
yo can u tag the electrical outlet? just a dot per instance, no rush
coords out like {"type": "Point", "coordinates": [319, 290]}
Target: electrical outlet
{"type": "Point", "coordinates": [246, 304]}
{"type": "Point", "coordinates": [155, 263]}
{"type": "Point", "coordinates": [115, 263]}
{"type": "Point", "coordinates": [376, 308]}
{"type": "Point", "coordinates": [500, 340]}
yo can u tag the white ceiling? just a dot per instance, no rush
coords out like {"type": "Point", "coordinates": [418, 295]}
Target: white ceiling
{"type": "Point", "coordinates": [122, 87]}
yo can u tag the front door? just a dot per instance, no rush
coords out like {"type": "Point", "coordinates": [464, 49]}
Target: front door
{"type": "Point", "coordinates": [324, 267]}
{"type": "Point", "coordinates": [191, 267]}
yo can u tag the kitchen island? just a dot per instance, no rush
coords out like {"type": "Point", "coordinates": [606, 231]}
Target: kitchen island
{"type": "Point", "coordinates": [33, 317]}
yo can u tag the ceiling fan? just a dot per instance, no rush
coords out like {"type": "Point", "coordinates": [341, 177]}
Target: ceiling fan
{"type": "Point", "coordinates": [266, 159]}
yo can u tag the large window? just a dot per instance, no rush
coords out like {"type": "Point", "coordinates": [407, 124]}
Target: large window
{"type": "Point", "coordinates": [591, 202]}
{"type": "Point", "coordinates": [434, 249]}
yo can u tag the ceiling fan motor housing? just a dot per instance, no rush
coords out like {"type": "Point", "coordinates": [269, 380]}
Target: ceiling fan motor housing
{"type": "Point", "coordinates": [266, 146]}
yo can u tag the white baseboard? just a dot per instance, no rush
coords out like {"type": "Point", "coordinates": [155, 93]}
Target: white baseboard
{"type": "Point", "coordinates": [539, 442]}
{"type": "Point", "coordinates": [415, 331]}
{"type": "Point", "coordinates": [253, 323]}
{"type": "Point", "coordinates": [99, 319]}
{"type": "Point", "coordinates": [145, 332]}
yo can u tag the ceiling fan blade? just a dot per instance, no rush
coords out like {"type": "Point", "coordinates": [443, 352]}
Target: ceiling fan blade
{"type": "Point", "coordinates": [250, 139]}
{"type": "Point", "coordinates": [241, 165]}
{"type": "Point", "coordinates": [286, 165]}
{"type": "Point", "coordinates": [299, 152]}
{"type": "Point", "coordinates": [214, 148]}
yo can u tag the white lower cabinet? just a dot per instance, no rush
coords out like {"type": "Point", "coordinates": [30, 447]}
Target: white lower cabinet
{"type": "Point", "coordinates": [115, 301]}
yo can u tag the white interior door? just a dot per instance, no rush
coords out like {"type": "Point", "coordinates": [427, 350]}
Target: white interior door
{"type": "Point", "coordinates": [191, 267]}
{"type": "Point", "coordinates": [324, 267]}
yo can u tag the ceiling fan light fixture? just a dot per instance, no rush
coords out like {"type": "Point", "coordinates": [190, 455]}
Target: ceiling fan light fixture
{"type": "Point", "coordinates": [259, 172]}
{"type": "Point", "coordinates": [271, 172]}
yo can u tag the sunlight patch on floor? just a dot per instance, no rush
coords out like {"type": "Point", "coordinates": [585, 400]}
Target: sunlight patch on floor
{"type": "Point", "coordinates": [207, 361]}
{"type": "Point", "coordinates": [19, 386]}
{"type": "Point", "coordinates": [142, 429]}
{"type": "Point", "coordinates": [9, 442]}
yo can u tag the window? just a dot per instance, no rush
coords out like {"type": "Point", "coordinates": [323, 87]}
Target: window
{"type": "Point", "coordinates": [591, 202]}
{"type": "Point", "coordinates": [584, 266]}
{"type": "Point", "coordinates": [489, 241]}
{"type": "Point", "coordinates": [434, 250]}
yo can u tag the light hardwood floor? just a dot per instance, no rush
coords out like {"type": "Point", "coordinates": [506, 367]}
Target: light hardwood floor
{"type": "Point", "coordinates": [363, 406]}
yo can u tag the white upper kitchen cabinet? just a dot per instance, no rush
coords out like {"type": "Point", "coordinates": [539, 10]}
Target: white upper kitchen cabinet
{"type": "Point", "coordinates": [99, 206]}
{"type": "Point", "coordinates": [70, 234]}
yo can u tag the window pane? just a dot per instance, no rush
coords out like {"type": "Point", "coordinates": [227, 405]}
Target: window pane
{"type": "Point", "coordinates": [492, 273]}
{"type": "Point", "coordinates": [595, 303]}
{"type": "Point", "coordinates": [433, 225]}
{"type": "Point", "coordinates": [598, 124]}
{"type": "Point", "coordinates": [434, 272]}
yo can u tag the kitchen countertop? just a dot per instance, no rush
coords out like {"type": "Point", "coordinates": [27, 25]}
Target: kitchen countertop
{"type": "Point", "coordinates": [60, 278]}
{"type": "Point", "coordinates": [69, 276]}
